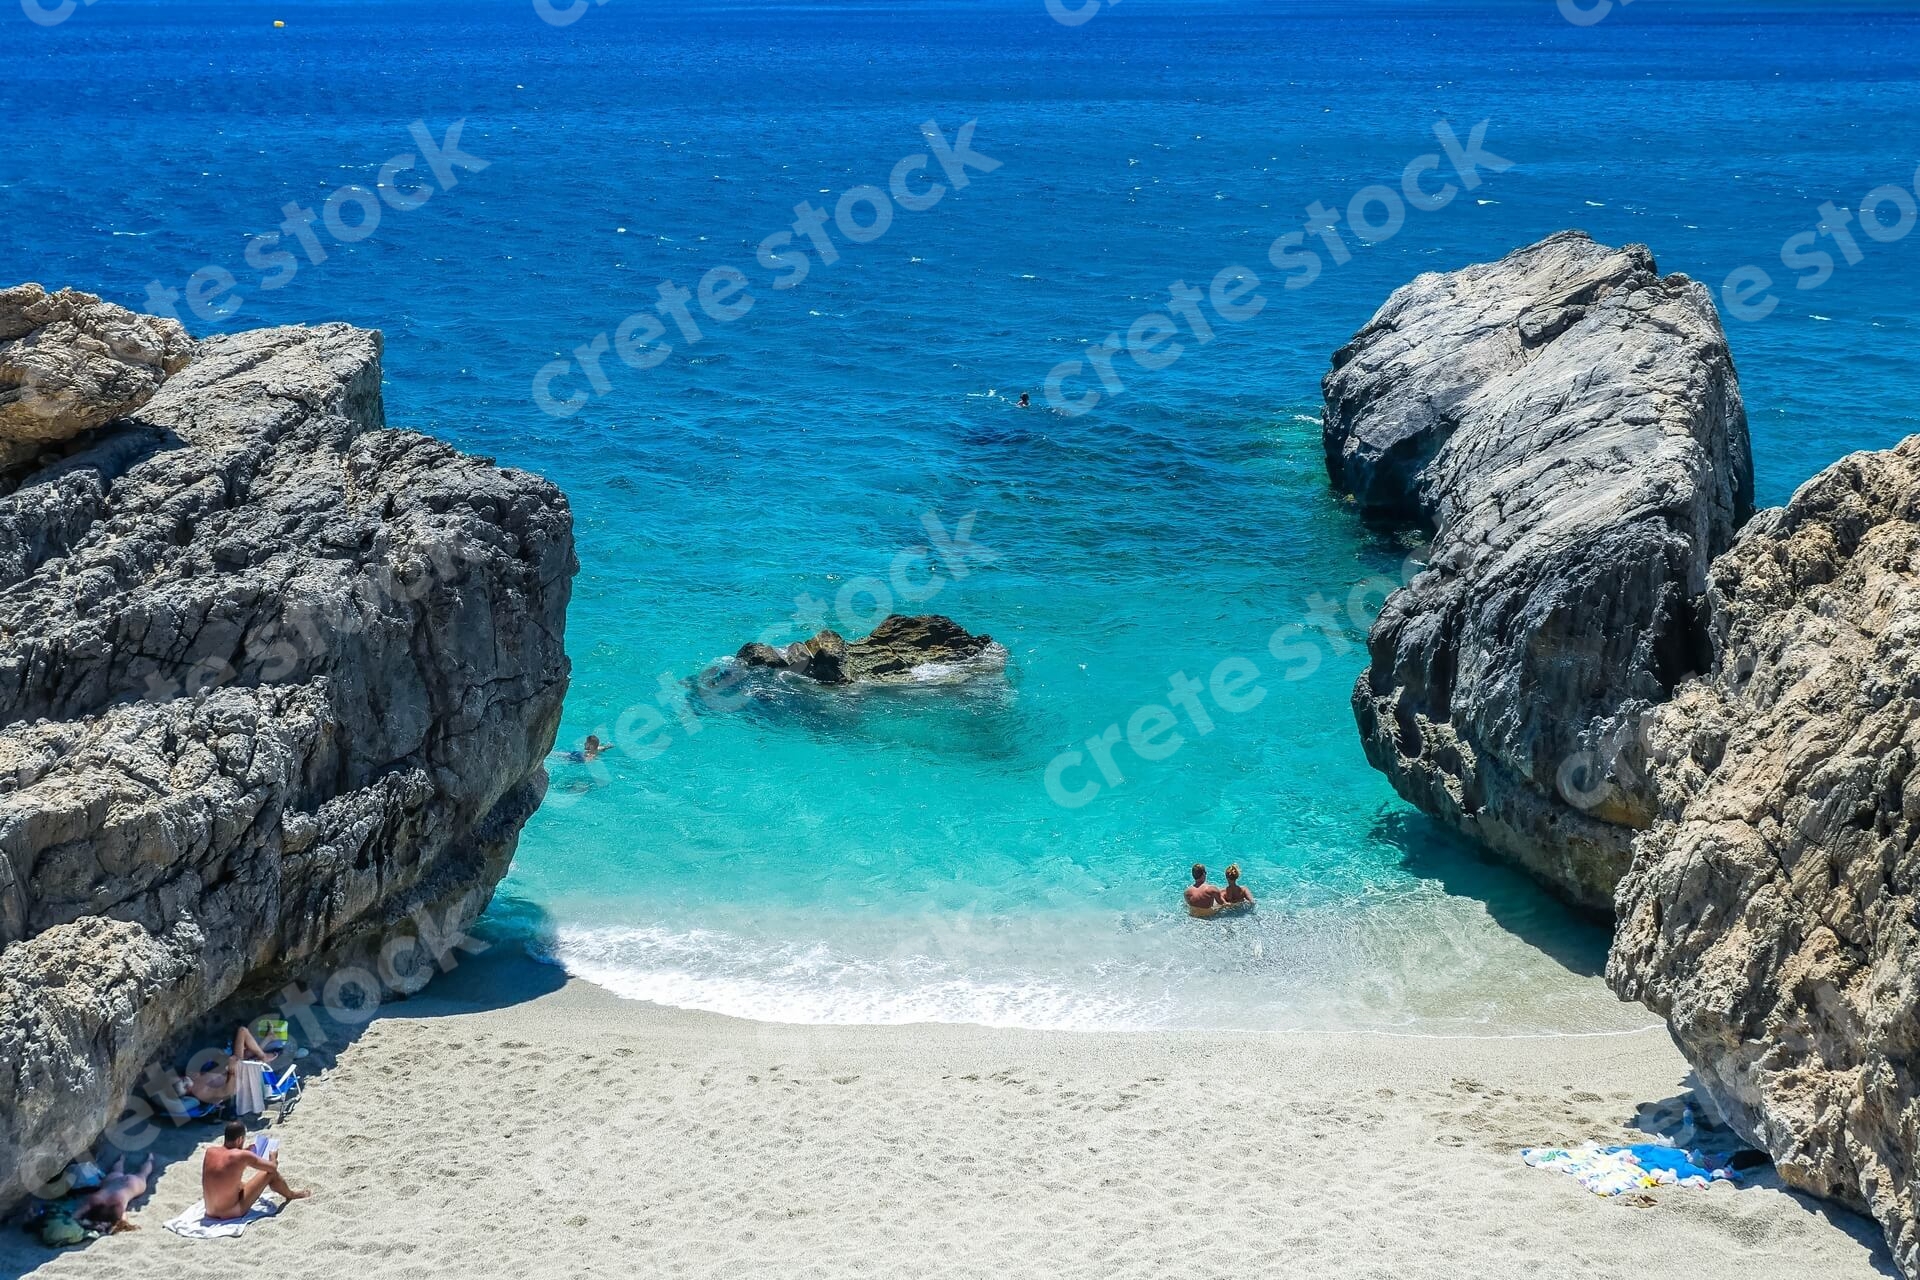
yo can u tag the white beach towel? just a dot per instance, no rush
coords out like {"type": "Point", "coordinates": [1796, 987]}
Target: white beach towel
{"type": "Point", "coordinates": [194, 1224]}
{"type": "Point", "coordinates": [250, 1091]}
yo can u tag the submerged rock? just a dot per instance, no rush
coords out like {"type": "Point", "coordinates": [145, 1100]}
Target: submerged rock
{"type": "Point", "coordinates": [276, 686]}
{"type": "Point", "coordinates": [901, 650]}
{"type": "Point", "coordinates": [1567, 423]}
{"type": "Point", "coordinates": [70, 362]}
{"type": "Point", "coordinates": [1772, 914]}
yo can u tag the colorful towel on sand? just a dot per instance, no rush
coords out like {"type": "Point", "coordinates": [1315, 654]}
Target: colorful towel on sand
{"type": "Point", "coordinates": [194, 1224]}
{"type": "Point", "coordinates": [1609, 1171]}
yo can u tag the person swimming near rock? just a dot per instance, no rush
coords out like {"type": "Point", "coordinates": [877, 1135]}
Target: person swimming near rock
{"type": "Point", "coordinates": [1203, 899]}
{"type": "Point", "coordinates": [1235, 896]}
{"type": "Point", "coordinates": [105, 1209]}
{"type": "Point", "coordinates": [589, 751]}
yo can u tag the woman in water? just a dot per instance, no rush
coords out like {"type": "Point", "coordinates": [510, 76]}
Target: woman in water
{"type": "Point", "coordinates": [1235, 896]}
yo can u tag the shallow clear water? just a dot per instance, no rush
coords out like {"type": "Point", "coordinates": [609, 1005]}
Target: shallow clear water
{"type": "Point", "coordinates": [897, 856]}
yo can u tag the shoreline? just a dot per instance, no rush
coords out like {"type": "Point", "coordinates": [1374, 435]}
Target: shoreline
{"type": "Point", "coordinates": [513, 1120]}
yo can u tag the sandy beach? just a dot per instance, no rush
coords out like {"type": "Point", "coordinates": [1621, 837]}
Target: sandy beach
{"type": "Point", "coordinates": [512, 1123]}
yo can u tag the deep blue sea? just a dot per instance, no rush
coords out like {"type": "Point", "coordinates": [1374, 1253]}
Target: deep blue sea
{"type": "Point", "coordinates": [899, 857]}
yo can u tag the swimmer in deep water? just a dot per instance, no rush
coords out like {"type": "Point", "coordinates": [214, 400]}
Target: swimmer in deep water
{"type": "Point", "coordinates": [589, 751]}
{"type": "Point", "coordinates": [1023, 401]}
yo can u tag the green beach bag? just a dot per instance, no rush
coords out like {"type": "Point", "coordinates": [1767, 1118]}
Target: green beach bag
{"type": "Point", "coordinates": [58, 1230]}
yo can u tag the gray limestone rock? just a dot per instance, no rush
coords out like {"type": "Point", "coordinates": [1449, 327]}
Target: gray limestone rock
{"type": "Point", "coordinates": [901, 650]}
{"type": "Point", "coordinates": [276, 688]}
{"type": "Point", "coordinates": [1567, 423]}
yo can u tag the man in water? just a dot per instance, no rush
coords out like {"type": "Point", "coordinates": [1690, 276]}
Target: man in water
{"type": "Point", "coordinates": [1023, 401]}
{"type": "Point", "coordinates": [588, 752]}
{"type": "Point", "coordinates": [224, 1183]}
{"type": "Point", "coordinates": [1234, 895]}
{"type": "Point", "coordinates": [1203, 899]}
{"type": "Point", "coordinates": [106, 1209]}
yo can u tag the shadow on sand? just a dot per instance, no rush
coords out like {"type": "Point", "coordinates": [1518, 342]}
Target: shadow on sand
{"type": "Point", "coordinates": [1685, 1120]}
{"type": "Point", "coordinates": [1576, 940]}
{"type": "Point", "coordinates": [499, 973]}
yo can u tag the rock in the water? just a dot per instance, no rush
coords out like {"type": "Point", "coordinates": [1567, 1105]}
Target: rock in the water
{"type": "Point", "coordinates": [277, 685]}
{"type": "Point", "coordinates": [1773, 913]}
{"type": "Point", "coordinates": [900, 650]}
{"type": "Point", "coordinates": [70, 362]}
{"type": "Point", "coordinates": [1568, 423]}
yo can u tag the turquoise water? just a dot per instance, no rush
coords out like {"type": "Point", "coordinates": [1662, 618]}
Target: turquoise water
{"type": "Point", "coordinates": [892, 857]}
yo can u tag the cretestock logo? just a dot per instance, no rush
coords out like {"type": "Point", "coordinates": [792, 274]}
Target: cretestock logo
{"type": "Point", "coordinates": [1887, 215]}
{"type": "Point", "coordinates": [50, 15]}
{"type": "Point", "coordinates": [724, 294]}
{"type": "Point", "coordinates": [349, 215]}
{"type": "Point", "coordinates": [1589, 13]}
{"type": "Point", "coordinates": [1071, 16]}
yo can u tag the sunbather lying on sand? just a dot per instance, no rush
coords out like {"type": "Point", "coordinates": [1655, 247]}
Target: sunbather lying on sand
{"type": "Point", "coordinates": [224, 1183]}
{"type": "Point", "coordinates": [218, 1082]}
{"type": "Point", "coordinates": [106, 1209]}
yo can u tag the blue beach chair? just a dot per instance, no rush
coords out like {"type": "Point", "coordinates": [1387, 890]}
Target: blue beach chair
{"type": "Point", "coordinates": [283, 1090]}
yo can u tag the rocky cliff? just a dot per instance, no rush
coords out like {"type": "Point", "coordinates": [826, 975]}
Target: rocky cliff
{"type": "Point", "coordinates": [1772, 914]}
{"type": "Point", "coordinates": [1567, 423]}
{"type": "Point", "coordinates": [276, 685]}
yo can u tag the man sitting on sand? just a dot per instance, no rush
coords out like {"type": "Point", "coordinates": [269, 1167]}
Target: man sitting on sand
{"type": "Point", "coordinates": [106, 1209]}
{"type": "Point", "coordinates": [1235, 895]}
{"type": "Point", "coordinates": [1203, 899]}
{"type": "Point", "coordinates": [224, 1184]}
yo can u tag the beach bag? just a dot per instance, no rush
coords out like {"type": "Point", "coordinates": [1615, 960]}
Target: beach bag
{"type": "Point", "coordinates": [58, 1230]}
{"type": "Point", "coordinates": [84, 1175]}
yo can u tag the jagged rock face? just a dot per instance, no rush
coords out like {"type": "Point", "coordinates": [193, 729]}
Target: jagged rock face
{"type": "Point", "coordinates": [70, 362]}
{"type": "Point", "coordinates": [1772, 915]}
{"type": "Point", "coordinates": [276, 686]}
{"type": "Point", "coordinates": [1568, 424]}
{"type": "Point", "coordinates": [898, 651]}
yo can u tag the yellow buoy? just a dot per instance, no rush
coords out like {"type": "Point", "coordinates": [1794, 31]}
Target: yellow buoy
{"type": "Point", "coordinates": [278, 23]}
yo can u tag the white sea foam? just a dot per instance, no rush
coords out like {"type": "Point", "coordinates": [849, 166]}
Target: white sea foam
{"type": "Point", "coordinates": [811, 984]}
{"type": "Point", "coordinates": [1435, 965]}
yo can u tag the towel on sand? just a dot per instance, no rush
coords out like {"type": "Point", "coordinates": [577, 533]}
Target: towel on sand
{"type": "Point", "coordinates": [250, 1090]}
{"type": "Point", "coordinates": [1609, 1171]}
{"type": "Point", "coordinates": [194, 1224]}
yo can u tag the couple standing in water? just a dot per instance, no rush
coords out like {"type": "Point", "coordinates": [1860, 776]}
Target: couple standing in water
{"type": "Point", "coordinates": [1205, 899]}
